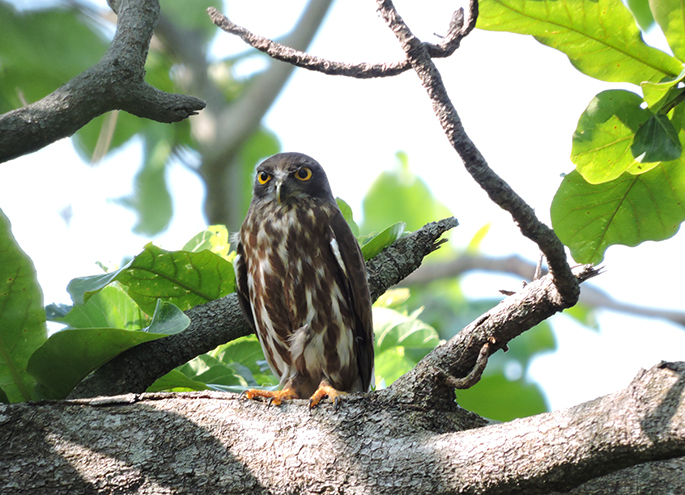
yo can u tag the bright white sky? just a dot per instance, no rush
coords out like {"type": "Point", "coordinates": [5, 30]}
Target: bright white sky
{"type": "Point", "coordinates": [519, 101]}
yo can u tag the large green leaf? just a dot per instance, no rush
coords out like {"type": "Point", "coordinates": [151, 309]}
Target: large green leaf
{"type": "Point", "coordinates": [629, 210]}
{"type": "Point", "coordinates": [70, 355]}
{"type": "Point", "coordinates": [400, 196]}
{"type": "Point", "coordinates": [22, 318]}
{"type": "Point", "coordinates": [181, 277]}
{"type": "Point", "coordinates": [605, 132]}
{"type": "Point", "coordinates": [111, 307]}
{"type": "Point", "coordinates": [669, 15]}
{"type": "Point", "coordinates": [599, 37]}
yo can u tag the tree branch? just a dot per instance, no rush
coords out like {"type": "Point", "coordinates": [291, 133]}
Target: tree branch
{"type": "Point", "coordinates": [457, 358]}
{"type": "Point", "coordinates": [114, 83]}
{"type": "Point", "coordinates": [498, 190]}
{"type": "Point", "coordinates": [221, 444]}
{"type": "Point", "coordinates": [457, 31]}
{"type": "Point", "coordinates": [221, 321]}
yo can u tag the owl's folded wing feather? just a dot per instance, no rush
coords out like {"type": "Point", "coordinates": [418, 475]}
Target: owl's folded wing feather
{"type": "Point", "coordinates": [347, 252]}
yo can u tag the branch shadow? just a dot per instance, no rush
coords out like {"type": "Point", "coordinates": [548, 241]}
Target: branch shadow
{"type": "Point", "coordinates": [81, 448]}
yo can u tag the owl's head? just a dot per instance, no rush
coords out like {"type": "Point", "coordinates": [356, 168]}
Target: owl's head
{"type": "Point", "coordinates": [287, 177]}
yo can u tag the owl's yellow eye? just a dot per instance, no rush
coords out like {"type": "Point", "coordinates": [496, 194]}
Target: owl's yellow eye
{"type": "Point", "coordinates": [304, 174]}
{"type": "Point", "coordinates": [263, 177]}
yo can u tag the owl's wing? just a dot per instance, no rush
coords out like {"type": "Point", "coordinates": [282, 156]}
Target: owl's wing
{"type": "Point", "coordinates": [354, 269]}
{"type": "Point", "coordinates": [241, 285]}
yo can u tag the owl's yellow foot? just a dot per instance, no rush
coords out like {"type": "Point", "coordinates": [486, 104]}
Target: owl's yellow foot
{"type": "Point", "coordinates": [275, 396]}
{"type": "Point", "coordinates": [325, 390]}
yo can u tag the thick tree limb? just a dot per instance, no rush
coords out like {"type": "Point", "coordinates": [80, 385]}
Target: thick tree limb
{"type": "Point", "coordinates": [114, 83]}
{"type": "Point", "coordinates": [221, 321]}
{"type": "Point", "coordinates": [217, 443]}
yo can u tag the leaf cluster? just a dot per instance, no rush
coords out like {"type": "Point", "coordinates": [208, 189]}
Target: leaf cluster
{"type": "Point", "coordinates": [628, 183]}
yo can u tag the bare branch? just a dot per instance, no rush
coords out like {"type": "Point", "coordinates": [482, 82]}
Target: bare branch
{"type": "Point", "coordinates": [499, 191]}
{"type": "Point", "coordinates": [114, 83]}
{"type": "Point", "coordinates": [221, 321]}
{"type": "Point", "coordinates": [457, 31]}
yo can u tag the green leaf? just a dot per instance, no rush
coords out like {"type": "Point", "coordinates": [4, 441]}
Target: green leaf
{"type": "Point", "coordinates": [111, 307]}
{"type": "Point", "coordinates": [392, 364]}
{"type": "Point", "coordinates": [176, 381]}
{"type": "Point", "coordinates": [632, 209]}
{"type": "Point", "coordinates": [400, 196]}
{"type": "Point", "coordinates": [642, 13]}
{"type": "Point", "coordinates": [347, 215]}
{"type": "Point", "coordinates": [394, 329]}
{"type": "Point", "coordinates": [211, 371]}
{"type": "Point", "coordinates": [599, 37]}
{"type": "Point", "coordinates": [380, 241]}
{"type": "Point", "coordinates": [42, 50]}
{"type": "Point", "coordinates": [245, 351]}
{"type": "Point", "coordinates": [659, 93]}
{"type": "Point", "coordinates": [167, 319]}
{"type": "Point", "coordinates": [183, 278]}
{"type": "Point", "coordinates": [526, 346]}
{"type": "Point", "coordinates": [585, 315]}
{"type": "Point", "coordinates": [70, 355]}
{"type": "Point", "coordinates": [22, 317]}
{"type": "Point", "coordinates": [475, 242]}
{"type": "Point", "coordinates": [214, 239]}
{"type": "Point", "coordinates": [657, 140]}
{"type": "Point", "coordinates": [497, 398]}
{"type": "Point", "coordinates": [151, 198]}
{"type": "Point", "coordinates": [605, 132]}
{"type": "Point", "coordinates": [669, 14]}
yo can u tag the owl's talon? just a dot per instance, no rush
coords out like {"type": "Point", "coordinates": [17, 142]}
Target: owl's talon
{"type": "Point", "coordinates": [325, 390]}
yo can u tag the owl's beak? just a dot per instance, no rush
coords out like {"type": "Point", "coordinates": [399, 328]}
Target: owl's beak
{"type": "Point", "coordinates": [279, 183]}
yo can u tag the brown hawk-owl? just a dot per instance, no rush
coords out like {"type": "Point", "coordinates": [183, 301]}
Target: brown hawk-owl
{"type": "Point", "coordinates": [302, 284]}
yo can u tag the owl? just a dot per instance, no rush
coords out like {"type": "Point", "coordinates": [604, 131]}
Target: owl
{"type": "Point", "coordinates": [302, 284]}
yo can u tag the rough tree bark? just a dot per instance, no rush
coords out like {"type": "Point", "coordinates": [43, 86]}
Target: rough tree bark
{"type": "Point", "coordinates": [218, 443]}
